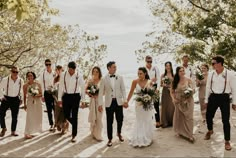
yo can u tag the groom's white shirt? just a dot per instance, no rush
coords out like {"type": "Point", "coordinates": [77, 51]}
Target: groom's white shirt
{"type": "Point", "coordinates": [112, 88]}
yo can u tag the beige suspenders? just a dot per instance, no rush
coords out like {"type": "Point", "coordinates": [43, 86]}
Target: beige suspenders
{"type": "Point", "coordinates": [75, 83]}
{"type": "Point", "coordinates": [8, 86]}
{"type": "Point", "coordinates": [225, 82]}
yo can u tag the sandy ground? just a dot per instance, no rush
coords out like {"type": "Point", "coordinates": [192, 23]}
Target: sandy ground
{"type": "Point", "coordinates": [165, 143]}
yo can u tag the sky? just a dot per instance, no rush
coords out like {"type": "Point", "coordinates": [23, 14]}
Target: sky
{"type": "Point", "coordinates": [120, 24]}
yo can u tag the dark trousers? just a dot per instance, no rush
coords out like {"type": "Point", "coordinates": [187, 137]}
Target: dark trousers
{"type": "Point", "coordinates": [118, 110]}
{"type": "Point", "coordinates": [70, 103]}
{"type": "Point", "coordinates": [49, 101]}
{"type": "Point", "coordinates": [13, 103]}
{"type": "Point", "coordinates": [222, 101]}
{"type": "Point", "coordinates": [157, 114]}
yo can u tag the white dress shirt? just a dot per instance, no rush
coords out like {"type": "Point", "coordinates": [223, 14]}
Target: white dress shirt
{"type": "Point", "coordinates": [46, 80]}
{"type": "Point", "coordinates": [189, 72]}
{"type": "Point", "coordinates": [218, 84]}
{"type": "Point", "coordinates": [11, 88]}
{"type": "Point", "coordinates": [71, 85]}
{"type": "Point", "coordinates": [154, 72]}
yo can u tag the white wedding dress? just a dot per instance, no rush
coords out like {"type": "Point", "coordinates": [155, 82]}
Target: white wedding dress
{"type": "Point", "coordinates": [142, 134]}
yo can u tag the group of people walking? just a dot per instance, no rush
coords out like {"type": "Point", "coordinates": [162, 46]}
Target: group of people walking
{"type": "Point", "coordinates": [64, 92]}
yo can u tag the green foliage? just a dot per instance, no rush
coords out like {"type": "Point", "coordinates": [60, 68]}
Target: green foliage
{"type": "Point", "coordinates": [27, 42]}
{"type": "Point", "coordinates": [208, 26]}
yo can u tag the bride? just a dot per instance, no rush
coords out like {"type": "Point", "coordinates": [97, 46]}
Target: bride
{"type": "Point", "coordinates": [143, 129]}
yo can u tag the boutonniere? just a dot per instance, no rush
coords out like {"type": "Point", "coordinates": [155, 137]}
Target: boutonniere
{"type": "Point", "coordinates": [116, 77]}
{"type": "Point", "coordinates": [223, 75]}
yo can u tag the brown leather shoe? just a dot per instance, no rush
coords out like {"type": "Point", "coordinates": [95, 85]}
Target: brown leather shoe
{"type": "Point", "coordinates": [208, 135]}
{"type": "Point", "coordinates": [120, 137]}
{"type": "Point", "coordinates": [109, 143]}
{"type": "Point", "coordinates": [3, 132]}
{"type": "Point", "coordinates": [227, 146]}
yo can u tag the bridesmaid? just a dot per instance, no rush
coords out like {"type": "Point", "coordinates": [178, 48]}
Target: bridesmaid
{"type": "Point", "coordinates": [60, 121]}
{"type": "Point", "coordinates": [202, 89]}
{"type": "Point", "coordinates": [33, 106]}
{"type": "Point", "coordinates": [183, 115]}
{"type": "Point", "coordinates": [167, 106]}
{"type": "Point", "coordinates": [95, 117]}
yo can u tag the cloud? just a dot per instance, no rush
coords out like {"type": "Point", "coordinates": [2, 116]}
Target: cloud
{"type": "Point", "coordinates": [121, 24]}
{"type": "Point", "coordinates": [104, 16]}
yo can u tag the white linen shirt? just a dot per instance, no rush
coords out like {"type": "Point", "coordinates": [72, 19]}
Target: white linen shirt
{"type": "Point", "coordinates": [13, 88]}
{"type": "Point", "coordinates": [218, 84]}
{"type": "Point", "coordinates": [68, 85]}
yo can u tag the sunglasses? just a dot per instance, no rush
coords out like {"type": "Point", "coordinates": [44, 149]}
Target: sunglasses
{"type": "Point", "coordinates": [15, 72]}
{"type": "Point", "coordinates": [213, 63]}
{"type": "Point", "coordinates": [149, 61]}
{"type": "Point", "coordinates": [48, 64]}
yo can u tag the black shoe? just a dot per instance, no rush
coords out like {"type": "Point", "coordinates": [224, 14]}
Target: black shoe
{"type": "Point", "coordinates": [109, 143]}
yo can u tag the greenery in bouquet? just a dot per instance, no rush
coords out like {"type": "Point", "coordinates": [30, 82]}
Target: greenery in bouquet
{"type": "Point", "coordinates": [188, 92]}
{"type": "Point", "coordinates": [52, 90]}
{"type": "Point", "coordinates": [92, 89]}
{"type": "Point", "coordinates": [166, 80]}
{"type": "Point", "coordinates": [33, 90]}
{"type": "Point", "coordinates": [147, 97]}
{"type": "Point", "coordinates": [199, 74]}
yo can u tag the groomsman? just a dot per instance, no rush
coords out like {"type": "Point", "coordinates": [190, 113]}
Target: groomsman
{"type": "Point", "coordinates": [46, 81]}
{"type": "Point", "coordinates": [11, 97]}
{"type": "Point", "coordinates": [220, 83]}
{"type": "Point", "coordinates": [154, 75]}
{"type": "Point", "coordinates": [189, 70]}
{"type": "Point", "coordinates": [71, 90]}
{"type": "Point", "coordinates": [112, 85]}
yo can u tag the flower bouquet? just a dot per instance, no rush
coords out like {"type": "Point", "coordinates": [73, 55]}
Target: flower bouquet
{"type": "Point", "coordinates": [52, 90]}
{"type": "Point", "coordinates": [199, 74]}
{"type": "Point", "coordinates": [146, 97]}
{"type": "Point", "coordinates": [166, 80]}
{"type": "Point", "coordinates": [92, 89]}
{"type": "Point", "coordinates": [33, 91]}
{"type": "Point", "coordinates": [188, 92]}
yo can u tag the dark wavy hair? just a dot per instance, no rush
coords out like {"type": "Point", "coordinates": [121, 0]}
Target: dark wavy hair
{"type": "Point", "coordinates": [31, 72]}
{"type": "Point", "coordinates": [168, 62]}
{"type": "Point", "coordinates": [176, 77]}
{"type": "Point", "coordinates": [57, 78]}
{"type": "Point", "coordinates": [99, 71]}
{"type": "Point", "coordinates": [144, 70]}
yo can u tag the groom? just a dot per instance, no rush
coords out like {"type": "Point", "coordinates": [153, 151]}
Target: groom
{"type": "Point", "coordinates": [112, 86]}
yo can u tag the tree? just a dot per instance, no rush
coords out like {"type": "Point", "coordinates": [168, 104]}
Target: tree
{"type": "Point", "coordinates": [207, 26]}
{"type": "Point", "coordinates": [27, 43]}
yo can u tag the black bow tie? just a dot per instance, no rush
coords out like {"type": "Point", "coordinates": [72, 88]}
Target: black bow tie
{"type": "Point", "coordinates": [112, 76]}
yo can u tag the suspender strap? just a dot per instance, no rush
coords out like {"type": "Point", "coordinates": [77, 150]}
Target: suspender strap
{"type": "Point", "coordinates": [224, 85]}
{"type": "Point", "coordinates": [76, 82]}
{"type": "Point", "coordinates": [44, 81]}
{"type": "Point", "coordinates": [19, 88]}
{"type": "Point", "coordinates": [7, 85]}
{"type": "Point", "coordinates": [65, 82]}
{"type": "Point", "coordinates": [225, 80]}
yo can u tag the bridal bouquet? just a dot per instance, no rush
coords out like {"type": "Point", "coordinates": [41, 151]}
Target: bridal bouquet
{"type": "Point", "coordinates": [166, 80]}
{"type": "Point", "coordinates": [188, 92]}
{"type": "Point", "coordinates": [33, 90]}
{"type": "Point", "coordinates": [199, 75]}
{"type": "Point", "coordinates": [146, 97]}
{"type": "Point", "coordinates": [92, 89]}
{"type": "Point", "coordinates": [52, 90]}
